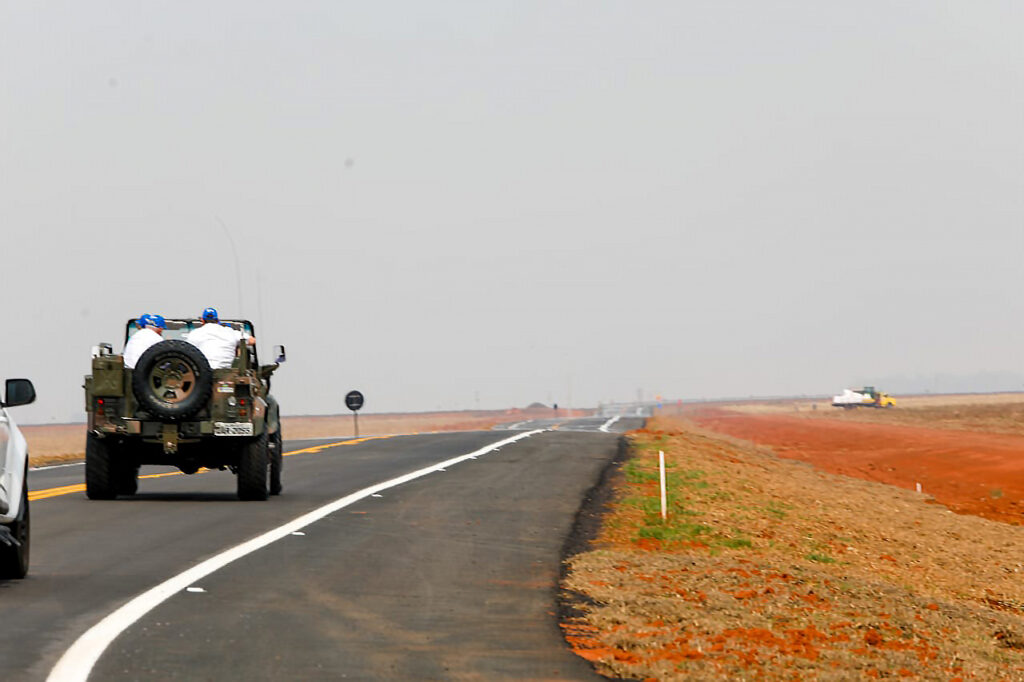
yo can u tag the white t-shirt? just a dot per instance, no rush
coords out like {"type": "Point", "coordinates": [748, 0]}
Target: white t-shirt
{"type": "Point", "coordinates": [217, 342]}
{"type": "Point", "coordinates": [138, 344]}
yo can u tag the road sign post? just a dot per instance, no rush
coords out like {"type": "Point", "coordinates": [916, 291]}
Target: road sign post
{"type": "Point", "coordinates": [354, 401]}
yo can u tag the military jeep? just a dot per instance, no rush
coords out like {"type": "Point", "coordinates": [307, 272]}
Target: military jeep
{"type": "Point", "coordinates": [173, 409]}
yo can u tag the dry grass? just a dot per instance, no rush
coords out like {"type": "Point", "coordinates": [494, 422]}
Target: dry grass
{"type": "Point", "coordinates": [66, 442]}
{"type": "Point", "coordinates": [769, 569]}
{"type": "Point", "coordinates": [54, 443]}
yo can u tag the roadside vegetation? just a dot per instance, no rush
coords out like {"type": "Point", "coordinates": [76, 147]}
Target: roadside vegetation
{"type": "Point", "coordinates": [769, 569]}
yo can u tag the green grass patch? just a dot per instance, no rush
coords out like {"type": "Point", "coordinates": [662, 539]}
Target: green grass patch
{"type": "Point", "coordinates": [777, 510]}
{"type": "Point", "coordinates": [636, 472]}
{"type": "Point", "coordinates": [736, 543]}
{"type": "Point", "coordinates": [656, 443]}
{"type": "Point", "coordinates": [677, 531]}
{"type": "Point", "coordinates": [820, 558]}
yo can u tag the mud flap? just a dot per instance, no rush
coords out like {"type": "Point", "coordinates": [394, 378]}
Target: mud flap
{"type": "Point", "coordinates": [273, 415]}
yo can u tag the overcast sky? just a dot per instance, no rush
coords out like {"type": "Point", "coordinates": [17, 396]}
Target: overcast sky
{"type": "Point", "coordinates": [461, 204]}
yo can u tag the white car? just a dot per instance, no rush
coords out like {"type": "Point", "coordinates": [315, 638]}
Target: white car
{"type": "Point", "coordinates": [14, 519]}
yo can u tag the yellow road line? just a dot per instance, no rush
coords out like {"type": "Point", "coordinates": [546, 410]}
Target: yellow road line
{"type": "Point", "coordinates": [54, 492]}
{"type": "Point", "coordinates": [318, 448]}
{"type": "Point", "coordinates": [80, 487]}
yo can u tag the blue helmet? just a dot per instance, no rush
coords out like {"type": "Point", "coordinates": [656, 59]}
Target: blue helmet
{"type": "Point", "coordinates": [210, 315]}
{"type": "Point", "coordinates": [147, 320]}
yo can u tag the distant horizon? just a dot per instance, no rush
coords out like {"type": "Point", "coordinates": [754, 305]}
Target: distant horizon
{"type": "Point", "coordinates": [574, 408]}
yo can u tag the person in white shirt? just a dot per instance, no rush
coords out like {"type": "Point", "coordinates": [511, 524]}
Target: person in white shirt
{"type": "Point", "coordinates": [217, 342]}
{"type": "Point", "coordinates": [151, 329]}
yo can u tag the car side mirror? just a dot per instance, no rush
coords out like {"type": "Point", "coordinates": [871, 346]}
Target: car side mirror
{"type": "Point", "coordinates": [279, 354]}
{"type": "Point", "coordinates": [19, 392]}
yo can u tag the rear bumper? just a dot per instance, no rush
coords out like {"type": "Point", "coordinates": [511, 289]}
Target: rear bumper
{"type": "Point", "coordinates": [187, 431]}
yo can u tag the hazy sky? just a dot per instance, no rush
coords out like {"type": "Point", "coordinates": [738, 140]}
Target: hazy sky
{"type": "Point", "coordinates": [453, 204]}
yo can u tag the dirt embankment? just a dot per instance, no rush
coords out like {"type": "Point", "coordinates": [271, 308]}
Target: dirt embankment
{"type": "Point", "coordinates": [767, 568]}
{"type": "Point", "coordinates": [971, 472]}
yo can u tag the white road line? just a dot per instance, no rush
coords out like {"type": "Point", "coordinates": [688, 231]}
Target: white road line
{"type": "Point", "coordinates": [78, 661]}
{"type": "Point", "coordinates": [604, 427]}
{"type": "Point", "coordinates": [56, 466]}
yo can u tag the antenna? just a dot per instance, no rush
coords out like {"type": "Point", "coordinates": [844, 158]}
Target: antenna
{"type": "Point", "coordinates": [238, 271]}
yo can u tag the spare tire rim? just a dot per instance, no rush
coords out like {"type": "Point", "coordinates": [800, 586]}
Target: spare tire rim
{"type": "Point", "coordinates": [172, 380]}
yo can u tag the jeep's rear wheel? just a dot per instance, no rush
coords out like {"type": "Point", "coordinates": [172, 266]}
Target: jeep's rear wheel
{"type": "Point", "coordinates": [14, 559]}
{"type": "Point", "coordinates": [253, 465]}
{"type": "Point", "coordinates": [127, 475]}
{"type": "Point", "coordinates": [276, 462]}
{"type": "Point", "coordinates": [172, 380]}
{"type": "Point", "coordinates": [100, 482]}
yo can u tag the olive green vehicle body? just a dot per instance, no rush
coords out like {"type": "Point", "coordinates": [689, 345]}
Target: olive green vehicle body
{"type": "Point", "coordinates": [239, 403]}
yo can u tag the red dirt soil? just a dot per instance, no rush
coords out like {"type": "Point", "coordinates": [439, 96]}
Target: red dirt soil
{"type": "Point", "coordinates": [968, 472]}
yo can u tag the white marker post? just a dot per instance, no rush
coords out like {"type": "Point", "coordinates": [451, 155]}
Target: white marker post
{"type": "Point", "coordinates": [661, 469]}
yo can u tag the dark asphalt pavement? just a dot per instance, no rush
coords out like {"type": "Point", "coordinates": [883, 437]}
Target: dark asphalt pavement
{"type": "Point", "coordinates": [449, 576]}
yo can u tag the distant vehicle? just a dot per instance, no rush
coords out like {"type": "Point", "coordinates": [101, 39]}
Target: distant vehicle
{"type": "Point", "coordinates": [14, 517]}
{"type": "Point", "coordinates": [864, 397]}
{"type": "Point", "coordinates": [173, 409]}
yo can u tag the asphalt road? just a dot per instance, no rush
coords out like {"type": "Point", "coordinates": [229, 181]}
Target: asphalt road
{"type": "Point", "coordinates": [451, 575]}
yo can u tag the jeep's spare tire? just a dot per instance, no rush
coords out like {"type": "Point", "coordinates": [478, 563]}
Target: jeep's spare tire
{"type": "Point", "coordinates": [172, 380]}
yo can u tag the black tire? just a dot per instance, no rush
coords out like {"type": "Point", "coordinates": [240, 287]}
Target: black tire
{"type": "Point", "coordinates": [172, 380]}
{"type": "Point", "coordinates": [14, 560]}
{"type": "Point", "coordinates": [100, 479]}
{"type": "Point", "coordinates": [253, 467]}
{"type": "Point", "coordinates": [276, 462]}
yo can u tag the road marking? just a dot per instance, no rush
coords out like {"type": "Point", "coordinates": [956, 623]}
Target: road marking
{"type": "Point", "coordinates": [56, 466]}
{"type": "Point", "coordinates": [604, 427]}
{"type": "Point", "coordinates": [351, 441]}
{"type": "Point", "coordinates": [80, 487]}
{"type": "Point", "coordinates": [34, 495]}
{"type": "Point", "coordinates": [78, 661]}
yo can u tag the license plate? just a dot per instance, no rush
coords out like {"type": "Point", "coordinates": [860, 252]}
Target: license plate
{"type": "Point", "coordinates": [232, 428]}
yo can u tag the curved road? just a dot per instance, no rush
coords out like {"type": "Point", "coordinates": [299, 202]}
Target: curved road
{"type": "Point", "coordinates": [450, 575]}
